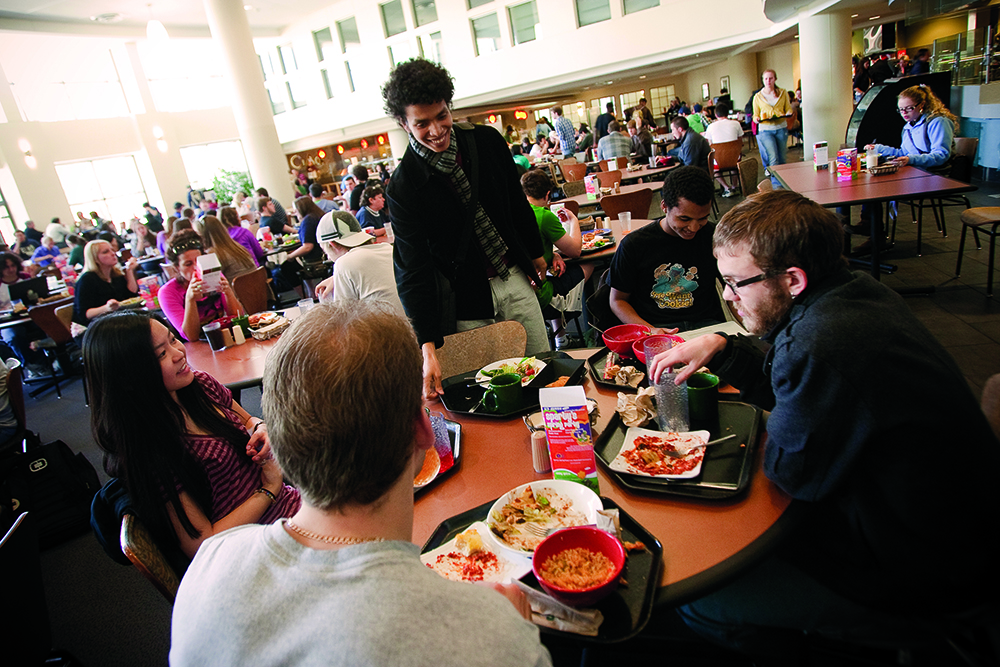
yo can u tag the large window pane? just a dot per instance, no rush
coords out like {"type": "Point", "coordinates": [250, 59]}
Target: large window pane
{"type": "Point", "coordinates": [348, 32]}
{"type": "Point", "coordinates": [203, 162]}
{"type": "Point", "coordinates": [296, 93]}
{"type": "Point", "coordinates": [111, 187]}
{"type": "Point", "coordinates": [486, 34]}
{"type": "Point", "coordinates": [392, 17]}
{"type": "Point", "coordinates": [287, 55]}
{"type": "Point", "coordinates": [432, 48]}
{"type": "Point", "coordinates": [424, 12]}
{"type": "Point", "coordinates": [323, 40]}
{"type": "Point", "coordinates": [187, 65]}
{"type": "Point", "coordinates": [523, 19]}
{"type": "Point", "coordinates": [632, 6]}
{"type": "Point", "coordinates": [478, 3]}
{"type": "Point", "coordinates": [592, 11]}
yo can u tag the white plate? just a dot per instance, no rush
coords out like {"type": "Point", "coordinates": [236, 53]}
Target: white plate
{"type": "Point", "coordinates": [577, 496]}
{"type": "Point", "coordinates": [483, 378]}
{"type": "Point", "coordinates": [507, 570]}
{"type": "Point", "coordinates": [621, 463]}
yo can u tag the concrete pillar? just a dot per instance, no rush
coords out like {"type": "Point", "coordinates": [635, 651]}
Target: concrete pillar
{"type": "Point", "coordinates": [825, 62]}
{"type": "Point", "coordinates": [399, 141]}
{"type": "Point", "coordinates": [251, 107]}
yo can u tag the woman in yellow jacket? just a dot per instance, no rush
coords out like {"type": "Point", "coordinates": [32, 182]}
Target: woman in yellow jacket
{"type": "Point", "coordinates": [770, 108]}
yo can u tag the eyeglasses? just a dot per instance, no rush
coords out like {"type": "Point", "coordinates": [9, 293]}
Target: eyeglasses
{"type": "Point", "coordinates": [747, 281]}
{"type": "Point", "coordinates": [903, 110]}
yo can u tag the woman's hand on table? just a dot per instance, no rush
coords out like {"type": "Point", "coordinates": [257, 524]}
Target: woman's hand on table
{"type": "Point", "coordinates": [693, 354]}
{"type": "Point", "coordinates": [514, 594]}
{"type": "Point", "coordinates": [901, 161]}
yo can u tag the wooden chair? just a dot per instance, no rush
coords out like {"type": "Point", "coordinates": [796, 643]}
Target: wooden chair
{"type": "Point", "coordinates": [985, 219]}
{"type": "Point", "coordinates": [55, 346]}
{"type": "Point", "coordinates": [637, 203]}
{"type": "Point", "coordinates": [571, 204]}
{"type": "Point", "coordinates": [727, 158]}
{"type": "Point", "coordinates": [621, 163]}
{"type": "Point", "coordinates": [607, 179]}
{"type": "Point", "coordinates": [765, 185]}
{"type": "Point", "coordinates": [574, 172]}
{"type": "Point", "coordinates": [748, 168]}
{"type": "Point", "coordinates": [251, 289]}
{"type": "Point", "coordinates": [470, 350]}
{"type": "Point", "coordinates": [147, 558]}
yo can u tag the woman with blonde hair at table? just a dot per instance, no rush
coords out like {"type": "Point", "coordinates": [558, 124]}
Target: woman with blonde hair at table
{"type": "Point", "coordinates": [103, 285]}
{"type": "Point", "coordinates": [185, 300]}
{"type": "Point", "coordinates": [193, 461]}
{"type": "Point", "coordinates": [770, 108]}
{"type": "Point", "coordinates": [234, 258]}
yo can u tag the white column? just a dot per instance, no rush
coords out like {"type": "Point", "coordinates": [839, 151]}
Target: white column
{"type": "Point", "coordinates": [825, 63]}
{"type": "Point", "coordinates": [399, 141]}
{"type": "Point", "coordinates": [251, 107]}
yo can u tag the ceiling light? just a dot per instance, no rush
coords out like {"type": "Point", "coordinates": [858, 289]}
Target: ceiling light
{"type": "Point", "coordinates": [642, 76]}
{"type": "Point", "coordinates": [872, 18]}
{"type": "Point", "coordinates": [854, 16]}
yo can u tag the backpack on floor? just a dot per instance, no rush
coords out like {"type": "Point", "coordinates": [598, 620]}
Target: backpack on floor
{"type": "Point", "coordinates": [55, 485]}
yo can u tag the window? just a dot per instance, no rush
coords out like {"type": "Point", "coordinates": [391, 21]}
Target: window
{"type": "Point", "coordinates": [431, 47]}
{"type": "Point", "coordinates": [348, 32]}
{"type": "Point", "coordinates": [266, 66]}
{"type": "Point", "coordinates": [202, 162]}
{"type": "Point", "coordinates": [659, 98]}
{"type": "Point", "coordinates": [392, 17]}
{"type": "Point", "coordinates": [179, 73]}
{"type": "Point", "coordinates": [276, 106]}
{"type": "Point", "coordinates": [296, 93]}
{"type": "Point", "coordinates": [326, 84]}
{"type": "Point", "coordinates": [424, 12]}
{"type": "Point", "coordinates": [523, 19]}
{"type": "Point", "coordinates": [630, 100]}
{"type": "Point", "coordinates": [478, 3]}
{"type": "Point", "coordinates": [6, 224]}
{"type": "Point", "coordinates": [287, 56]}
{"type": "Point", "coordinates": [399, 53]}
{"type": "Point", "coordinates": [323, 40]}
{"type": "Point", "coordinates": [110, 186]}
{"type": "Point", "coordinates": [486, 34]}
{"type": "Point", "coordinates": [632, 6]}
{"type": "Point", "coordinates": [350, 77]}
{"type": "Point", "coordinates": [592, 11]}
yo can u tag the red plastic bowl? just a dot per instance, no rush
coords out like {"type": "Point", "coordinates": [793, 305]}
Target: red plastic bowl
{"type": "Point", "coordinates": [621, 337]}
{"type": "Point", "coordinates": [639, 345]}
{"type": "Point", "coordinates": [587, 537]}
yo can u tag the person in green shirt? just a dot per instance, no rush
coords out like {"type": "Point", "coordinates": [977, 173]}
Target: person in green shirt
{"type": "Point", "coordinates": [76, 242]}
{"type": "Point", "coordinates": [563, 232]}
{"type": "Point", "coordinates": [519, 159]}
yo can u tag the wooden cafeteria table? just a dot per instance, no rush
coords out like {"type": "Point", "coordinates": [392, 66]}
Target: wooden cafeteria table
{"type": "Point", "coordinates": [625, 189]}
{"type": "Point", "coordinates": [823, 187]}
{"type": "Point", "coordinates": [651, 175]}
{"type": "Point", "coordinates": [609, 251]}
{"type": "Point", "coordinates": [705, 543]}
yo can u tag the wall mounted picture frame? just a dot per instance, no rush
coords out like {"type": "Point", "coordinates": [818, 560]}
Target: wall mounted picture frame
{"type": "Point", "coordinates": [705, 94]}
{"type": "Point", "coordinates": [724, 85]}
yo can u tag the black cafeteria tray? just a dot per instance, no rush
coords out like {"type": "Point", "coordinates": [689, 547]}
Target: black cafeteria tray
{"type": "Point", "coordinates": [597, 362]}
{"type": "Point", "coordinates": [627, 610]}
{"type": "Point", "coordinates": [460, 396]}
{"type": "Point", "coordinates": [455, 440]}
{"type": "Point", "coordinates": [726, 470]}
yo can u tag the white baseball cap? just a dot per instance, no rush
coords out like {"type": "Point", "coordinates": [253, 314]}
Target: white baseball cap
{"type": "Point", "coordinates": [333, 229]}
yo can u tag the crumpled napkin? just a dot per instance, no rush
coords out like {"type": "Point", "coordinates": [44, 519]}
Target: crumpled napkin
{"type": "Point", "coordinates": [550, 613]}
{"type": "Point", "coordinates": [629, 375]}
{"type": "Point", "coordinates": [637, 409]}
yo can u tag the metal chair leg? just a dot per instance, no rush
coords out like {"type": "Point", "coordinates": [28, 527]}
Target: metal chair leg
{"type": "Point", "coordinates": [961, 250]}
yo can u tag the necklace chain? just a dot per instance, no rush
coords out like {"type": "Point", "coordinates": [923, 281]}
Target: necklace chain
{"type": "Point", "coordinates": [330, 539]}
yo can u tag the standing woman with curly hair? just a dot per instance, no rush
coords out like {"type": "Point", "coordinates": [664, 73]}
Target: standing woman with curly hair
{"type": "Point", "coordinates": [193, 461]}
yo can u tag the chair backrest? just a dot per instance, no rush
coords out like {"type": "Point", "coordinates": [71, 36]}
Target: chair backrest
{"type": "Point", "coordinates": [571, 204]}
{"type": "Point", "coordinates": [961, 169]}
{"type": "Point", "coordinates": [45, 317]}
{"type": "Point", "coordinates": [765, 185]}
{"type": "Point", "coordinates": [663, 130]}
{"type": "Point", "coordinates": [573, 172]}
{"type": "Point", "coordinates": [748, 175]}
{"type": "Point", "coordinates": [727, 153]}
{"type": "Point", "coordinates": [573, 188]}
{"type": "Point", "coordinates": [138, 545]}
{"type": "Point", "coordinates": [470, 350]}
{"type": "Point", "coordinates": [620, 163]}
{"type": "Point", "coordinates": [991, 402]}
{"type": "Point", "coordinates": [565, 161]}
{"type": "Point", "coordinates": [65, 315]}
{"type": "Point", "coordinates": [251, 289]}
{"type": "Point", "coordinates": [711, 161]}
{"type": "Point", "coordinates": [967, 146]}
{"type": "Point", "coordinates": [607, 179]}
{"type": "Point", "coordinates": [637, 203]}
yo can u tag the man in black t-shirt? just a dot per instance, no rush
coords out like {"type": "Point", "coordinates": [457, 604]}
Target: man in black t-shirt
{"type": "Point", "coordinates": [361, 174]}
{"type": "Point", "coordinates": [663, 275]}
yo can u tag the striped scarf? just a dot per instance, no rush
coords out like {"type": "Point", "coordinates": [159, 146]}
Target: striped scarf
{"type": "Point", "coordinates": [447, 163]}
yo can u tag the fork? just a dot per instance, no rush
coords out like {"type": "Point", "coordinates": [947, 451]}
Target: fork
{"type": "Point", "coordinates": [537, 531]}
{"type": "Point", "coordinates": [677, 454]}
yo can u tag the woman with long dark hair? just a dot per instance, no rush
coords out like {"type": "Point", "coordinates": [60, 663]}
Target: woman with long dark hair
{"type": "Point", "coordinates": [194, 462]}
{"type": "Point", "coordinates": [233, 257]}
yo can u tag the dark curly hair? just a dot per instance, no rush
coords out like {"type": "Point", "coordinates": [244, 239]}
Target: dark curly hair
{"type": "Point", "coordinates": [537, 183]}
{"type": "Point", "coordinates": [689, 183]}
{"type": "Point", "coordinates": [416, 81]}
